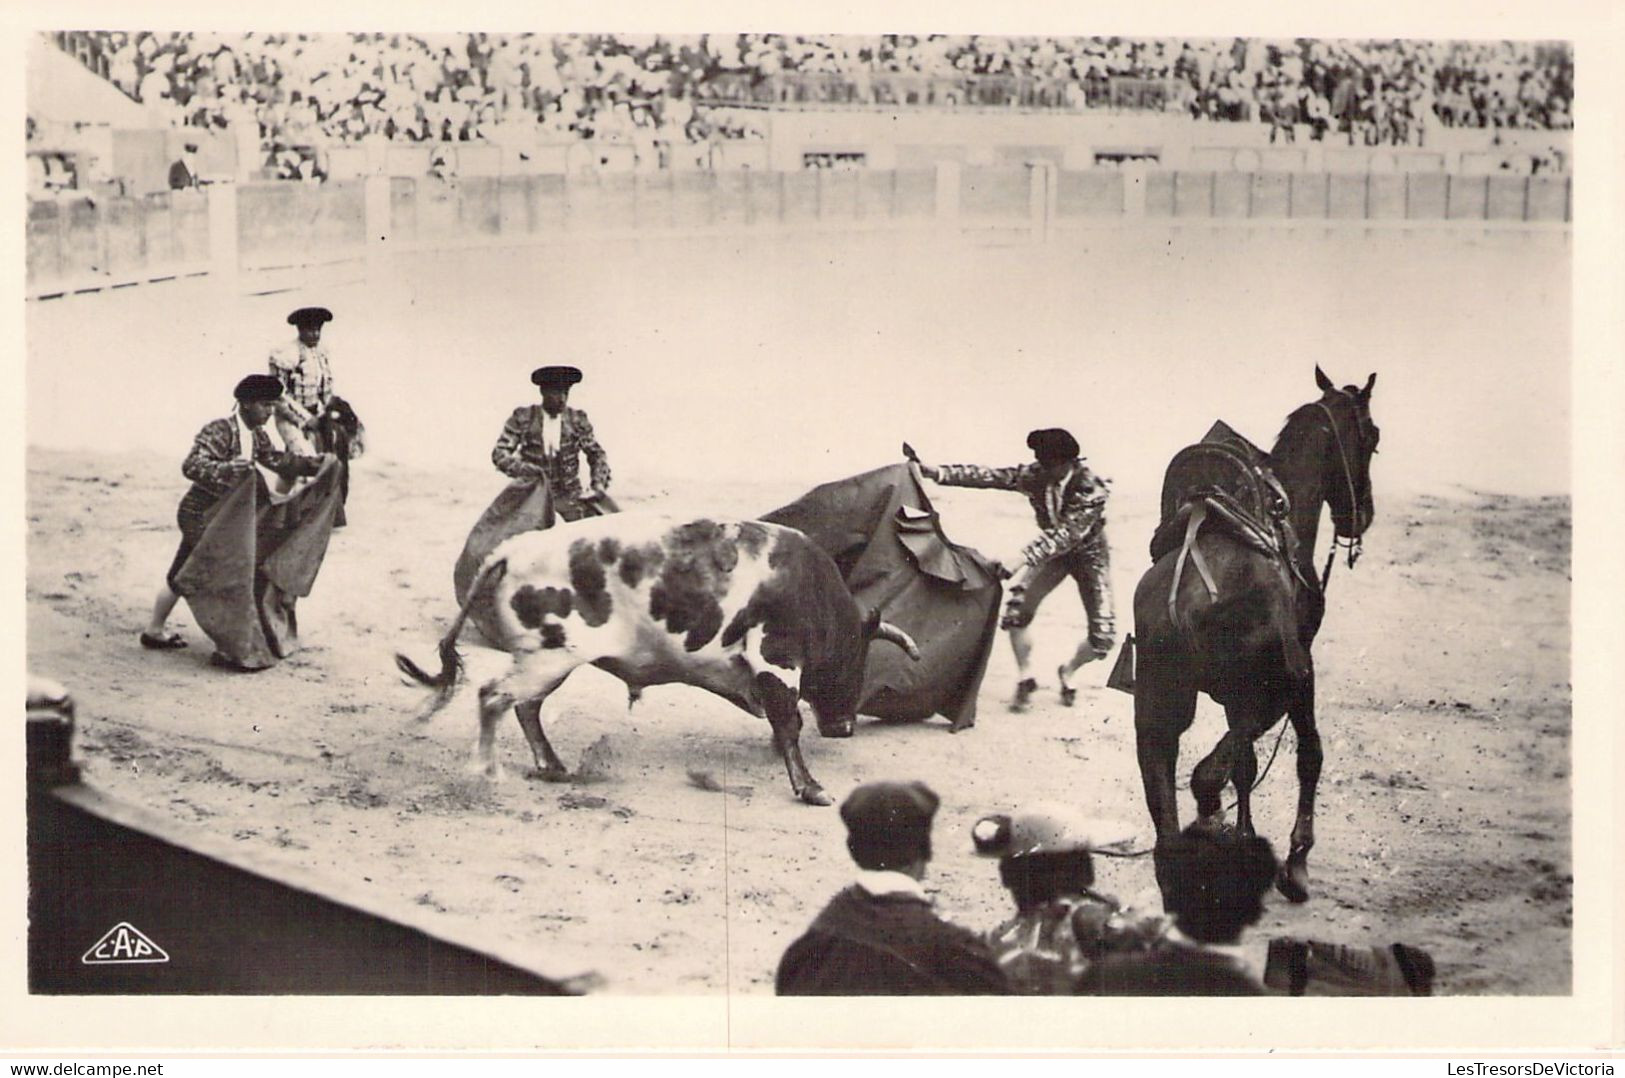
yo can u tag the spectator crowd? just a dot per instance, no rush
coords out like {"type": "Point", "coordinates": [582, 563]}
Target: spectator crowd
{"type": "Point", "coordinates": [314, 88]}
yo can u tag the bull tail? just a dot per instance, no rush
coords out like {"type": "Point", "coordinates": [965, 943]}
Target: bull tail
{"type": "Point", "coordinates": [451, 661]}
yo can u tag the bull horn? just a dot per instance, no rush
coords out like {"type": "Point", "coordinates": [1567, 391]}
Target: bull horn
{"type": "Point", "coordinates": [887, 631]}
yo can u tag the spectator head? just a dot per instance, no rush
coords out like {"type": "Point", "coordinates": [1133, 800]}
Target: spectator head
{"type": "Point", "coordinates": [888, 826]}
{"type": "Point", "coordinates": [1044, 851]}
{"type": "Point", "coordinates": [1213, 882]}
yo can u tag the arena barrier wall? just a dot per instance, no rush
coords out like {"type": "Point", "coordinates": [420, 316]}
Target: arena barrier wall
{"type": "Point", "coordinates": [124, 902]}
{"type": "Point", "coordinates": [85, 245]}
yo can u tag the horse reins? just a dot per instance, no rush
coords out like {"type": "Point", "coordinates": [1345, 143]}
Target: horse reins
{"type": "Point", "coordinates": [1352, 544]}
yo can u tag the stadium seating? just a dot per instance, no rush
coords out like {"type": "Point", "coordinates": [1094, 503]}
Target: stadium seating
{"type": "Point", "coordinates": [619, 89]}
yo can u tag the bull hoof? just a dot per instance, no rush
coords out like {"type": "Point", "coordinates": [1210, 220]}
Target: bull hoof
{"type": "Point", "coordinates": [1293, 883]}
{"type": "Point", "coordinates": [551, 774]}
{"type": "Point", "coordinates": [814, 795]}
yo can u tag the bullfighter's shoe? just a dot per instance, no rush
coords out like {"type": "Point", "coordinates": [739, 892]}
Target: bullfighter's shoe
{"type": "Point", "coordinates": [1024, 694]}
{"type": "Point", "coordinates": [1069, 695]}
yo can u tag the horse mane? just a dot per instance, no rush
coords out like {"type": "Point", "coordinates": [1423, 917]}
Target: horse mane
{"type": "Point", "coordinates": [1292, 418]}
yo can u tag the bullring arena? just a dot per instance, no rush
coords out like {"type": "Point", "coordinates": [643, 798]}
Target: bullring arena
{"type": "Point", "coordinates": [733, 361]}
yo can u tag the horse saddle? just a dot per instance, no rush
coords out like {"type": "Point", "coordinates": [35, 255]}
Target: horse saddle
{"type": "Point", "coordinates": [1226, 463]}
{"type": "Point", "coordinates": [1223, 479]}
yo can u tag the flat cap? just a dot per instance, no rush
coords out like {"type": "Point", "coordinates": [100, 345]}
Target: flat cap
{"type": "Point", "coordinates": [260, 388]}
{"type": "Point", "coordinates": [555, 377]}
{"type": "Point", "coordinates": [1052, 444]}
{"type": "Point", "coordinates": [306, 316]}
{"type": "Point", "coordinates": [890, 807]}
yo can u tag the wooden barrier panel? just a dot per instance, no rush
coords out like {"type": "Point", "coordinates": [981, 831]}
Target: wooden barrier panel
{"type": "Point", "coordinates": [403, 210]}
{"type": "Point", "coordinates": [994, 194]}
{"type": "Point", "coordinates": [44, 246]}
{"type": "Point", "coordinates": [617, 206]}
{"type": "Point", "coordinates": [515, 213]}
{"type": "Point", "coordinates": [126, 236]}
{"type": "Point", "coordinates": [82, 253]}
{"type": "Point", "coordinates": [288, 222]}
{"type": "Point", "coordinates": [479, 207]}
{"type": "Point", "coordinates": [1233, 194]}
{"type": "Point", "coordinates": [1272, 194]}
{"type": "Point", "coordinates": [734, 208]}
{"type": "Point", "coordinates": [693, 199]}
{"type": "Point", "coordinates": [1159, 194]}
{"type": "Point", "coordinates": [655, 202]}
{"type": "Point", "coordinates": [1505, 198]}
{"type": "Point", "coordinates": [1193, 194]}
{"type": "Point", "coordinates": [1386, 200]}
{"type": "Point", "coordinates": [1425, 196]}
{"type": "Point", "coordinates": [1309, 191]}
{"type": "Point", "coordinates": [552, 205]}
{"type": "Point", "coordinates": [798, 193]}
{"type": "Point", "coordinates": [1467, 197]}
{"type": "Point", "coordinates": [1089, 193]}
{"type": "Point", "coordinates": [1548, 198]}
{"type": "Point", "coordinates": [1346, 195]}
{"type": "Point", "coordinates": [916, 196]}
{"type": "Point", "coordinates": [838, 199]}
{"type": "Point", "coordinates": [877, 195]}
{"type": "Point", "coordinates": [584, 201]}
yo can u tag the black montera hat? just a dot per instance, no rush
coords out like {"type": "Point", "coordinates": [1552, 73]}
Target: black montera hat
{"type": "Point", "coordinates": [890, 808]}
{"type": "Point", "coordinates": [305, 316]}
{"type": "Point", "coordinates": [261, 388]}
{"type": "Point", "coordinates": [1052, 444]}
{"type": "Point", "coordinates": [555, 377]}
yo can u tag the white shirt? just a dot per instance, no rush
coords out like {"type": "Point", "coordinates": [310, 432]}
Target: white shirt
{"type": "Point", "coordinates": [552, 431]}
{"type": "Point", "coordinates": [1052, 495]}
{"type": "Point", "coordinates": [879, 883]}
{"type": "Point", "coordinates": [245, 442]}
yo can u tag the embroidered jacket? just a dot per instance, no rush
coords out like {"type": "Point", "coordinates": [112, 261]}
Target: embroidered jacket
{"type": "Point", "coordinates": [207, 466]}
{"type": "Point", "coordinates": [1068, 516]}
{"type": "Point", "coordinates": [307, 376]}
{"type": "Point", "coordinates": [519, 452]}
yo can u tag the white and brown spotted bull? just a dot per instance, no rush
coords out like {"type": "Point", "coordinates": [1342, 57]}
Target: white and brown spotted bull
{"type": "Point", "coordinates": [754, 612]}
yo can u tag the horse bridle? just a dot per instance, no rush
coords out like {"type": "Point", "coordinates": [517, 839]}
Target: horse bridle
{"type": "Point", "coordinates": [1353, 543]}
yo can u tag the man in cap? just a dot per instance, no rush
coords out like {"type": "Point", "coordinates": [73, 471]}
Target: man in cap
{"type": "Point", "coordinates": [879, 937]}
{"type": "Point", "coordinates": [223, 452]}
{"type": "Point", "coordinates": [1214, 884]}
{"type": "Point", "coordinates": [1062, 925]}
{"type": "Point", "coordinates": [547, 440]}
{"type": "Point", "coordinates": [1069, 502]}
{"type": "Point", "coordinates": [305, 370]}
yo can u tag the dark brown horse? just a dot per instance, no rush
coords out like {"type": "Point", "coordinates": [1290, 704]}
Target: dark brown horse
{"type": "Point", "coordinates": [1245, 641]}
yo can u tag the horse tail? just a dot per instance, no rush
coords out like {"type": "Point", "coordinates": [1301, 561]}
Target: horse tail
{"type": "Point", "coordinates": [451, 661]}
